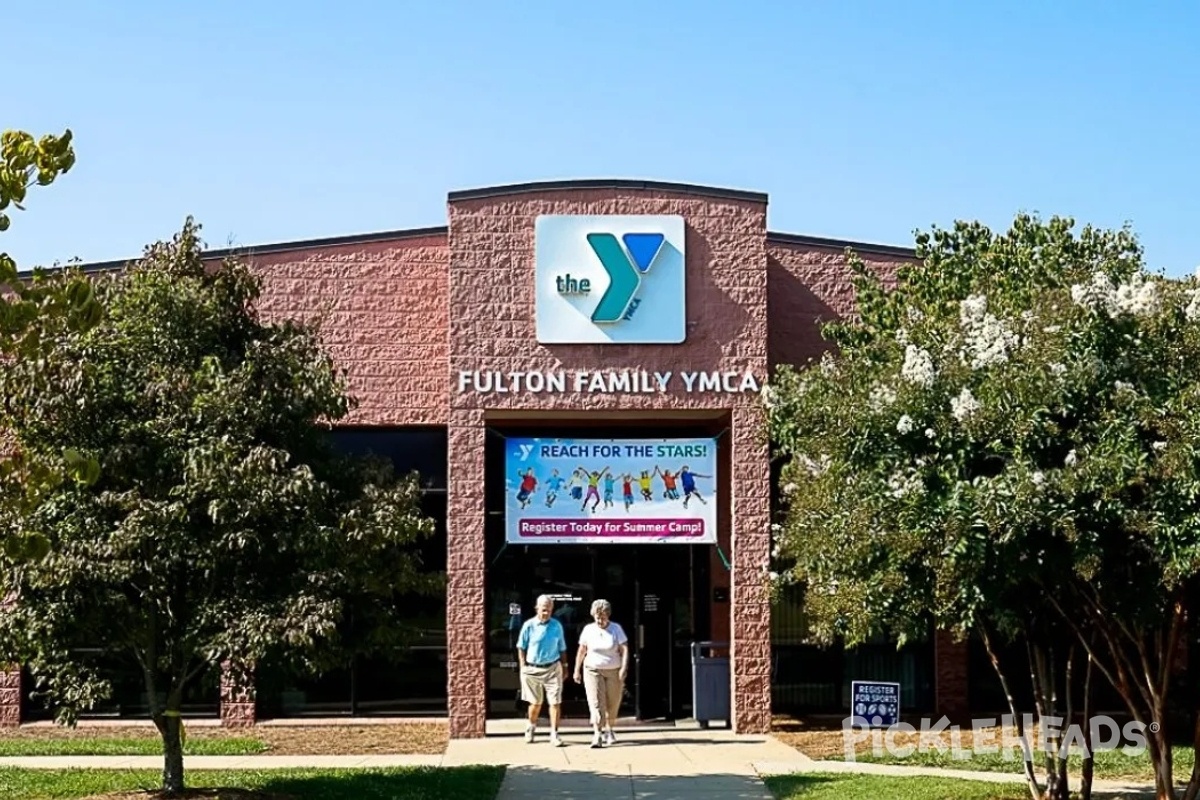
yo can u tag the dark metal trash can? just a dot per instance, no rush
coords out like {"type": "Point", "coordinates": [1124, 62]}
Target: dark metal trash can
{"type": "Point", "coordinates": [710, 683]}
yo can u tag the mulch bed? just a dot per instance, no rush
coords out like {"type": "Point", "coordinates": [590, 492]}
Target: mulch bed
{"type": "Point", "coordinates": [410, 738]}
{"type": "Point", "coordinates": [194, 794]}
{"type": "Point", "coordinates": [821, 739]}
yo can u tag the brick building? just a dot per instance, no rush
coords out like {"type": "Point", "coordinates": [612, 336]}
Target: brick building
{"type": "Point", "coordinates": [430, 325]}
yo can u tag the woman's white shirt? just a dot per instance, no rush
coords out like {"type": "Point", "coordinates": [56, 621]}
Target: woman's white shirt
{"type": "Point", "coordinates": [603, 645]}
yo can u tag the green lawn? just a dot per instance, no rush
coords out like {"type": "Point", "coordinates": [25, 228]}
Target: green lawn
{"type": "Point", "coordinates": [853, 787]}
{"type": "Point", "coordinates": [133, 746]}
{"type": "Point", "coordinates": [1109, 763]}
{"type": "Point", "coordinates": [418, 783]}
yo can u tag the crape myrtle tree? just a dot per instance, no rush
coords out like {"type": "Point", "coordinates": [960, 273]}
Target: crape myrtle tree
{"type": "Point", "coordinates": [1007, 442]}
{"type": "Point", "coordinates": [221, 525]}
{"type": "Point", "coordinates": [61, 297]}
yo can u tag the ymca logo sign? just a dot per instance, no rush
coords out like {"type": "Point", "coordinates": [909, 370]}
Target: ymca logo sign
{"type": "Point", "coordinates": [610, 279]}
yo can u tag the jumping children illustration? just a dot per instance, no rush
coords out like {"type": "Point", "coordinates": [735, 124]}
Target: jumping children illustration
{"type": "Point", "coordinates": [627, 490]}
{"type": "Point", "coordinates": [610, 481]}
{"type": "Point", "coordinates": [575, 485]}
{"type": "Point", "coordinates": [688, 479]}
{"type": "Point", "coordinates": [644, 485]}
{"type": "Point", "coordinates": [554, 485]}
{"type": "Point", "coordinates": [593, 489]}
{"type": "Point", "coordinates": [528, 484]}
{"type": "Point", "coordinates": [668, 479]}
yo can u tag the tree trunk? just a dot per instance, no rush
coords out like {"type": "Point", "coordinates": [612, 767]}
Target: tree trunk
{"type": "Point", "coordinates": [1031, 781]}
{"type": "Point", "coordinates": [1044, 705]}
{"type": "Point", "coordinates": [1164, 778]}
{"type": "Point", "coordinates": [169, 726]}
{"type": "Point", "coordinates": [1088, 771]}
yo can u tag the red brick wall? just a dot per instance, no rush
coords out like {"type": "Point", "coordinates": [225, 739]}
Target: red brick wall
{"type": "Point", "coordinates": [492, 313]}
{"type": "Point", "coordinates": [238, 708]}
{"type": "Point", "coordinates": [10, 695]}
{"type": "Point", "coordinates": [810, 285]}
{"type": "Point", "coordinates": [951, 662]}
{"type": "Point", "coordinates": [386, 320]}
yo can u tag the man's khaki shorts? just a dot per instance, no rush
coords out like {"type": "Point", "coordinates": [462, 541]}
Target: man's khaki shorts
{"type": "Point", "coordinates": [542, 684]}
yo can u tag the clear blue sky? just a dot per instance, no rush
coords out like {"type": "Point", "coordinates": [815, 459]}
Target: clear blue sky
{"type": "Point", "coordinates": [862, 120]}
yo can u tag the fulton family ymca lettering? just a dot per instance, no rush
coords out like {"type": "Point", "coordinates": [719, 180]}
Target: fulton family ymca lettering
{"type": "Point", "coordinates": [605, 382]}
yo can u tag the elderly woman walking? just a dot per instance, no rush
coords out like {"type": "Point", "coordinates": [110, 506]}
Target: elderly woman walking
{"type": "Point", "coordinates": [602, 664]}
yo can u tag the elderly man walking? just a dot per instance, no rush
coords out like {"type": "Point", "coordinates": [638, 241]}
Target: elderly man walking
{"type": "Point", "coordinates": [542, 651]}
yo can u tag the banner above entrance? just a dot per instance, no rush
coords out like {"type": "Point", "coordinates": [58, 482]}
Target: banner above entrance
{"type": "Point", "coordinates": [609, 491]}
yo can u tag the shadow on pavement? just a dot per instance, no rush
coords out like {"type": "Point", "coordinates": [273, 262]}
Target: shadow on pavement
{"type": "Point", "coordinates": [538, 783]}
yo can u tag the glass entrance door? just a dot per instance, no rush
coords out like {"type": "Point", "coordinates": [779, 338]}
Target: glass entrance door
{"type": "Point", "coordinates": [650, 588]}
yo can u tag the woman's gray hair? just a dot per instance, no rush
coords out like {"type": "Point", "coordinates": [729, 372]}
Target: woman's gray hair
{"type": "Point", "coordinates": [601, 605]}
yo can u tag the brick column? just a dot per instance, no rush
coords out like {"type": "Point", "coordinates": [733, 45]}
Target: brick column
{"type": "Point", "coordinates": [750, 651]}
{"type": "Point", "coordinates": [10, 695]}
{"type": "Point", "coordinates": [466, 609]}
{"type": "Point", "coordinates": [238, 707]}
{"type": "Point", "coordinates": [950, 660]}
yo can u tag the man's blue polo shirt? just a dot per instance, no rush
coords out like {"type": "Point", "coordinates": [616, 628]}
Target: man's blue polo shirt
{"type": "Point", "coordinates": [543, 642]}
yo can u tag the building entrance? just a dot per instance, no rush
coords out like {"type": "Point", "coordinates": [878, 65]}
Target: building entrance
{"type": "Point", "coordinates": [653, 590]}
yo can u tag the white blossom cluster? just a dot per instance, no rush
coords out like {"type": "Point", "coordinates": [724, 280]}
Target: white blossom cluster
{"type": "Point", "coordinates": [902, 484]}
{"type": "Point", "coordinates": [817, 467]}
{"type": "Point", "coordinates": [964, 405]}
{"type": "Point", "coordinates": [905, 425]}
{"type": "Point", "coordinates": [1192, 311]}
{"type": "Point", "coordinates": [882, 397]}
{"type": "Point", "coordinates": [988, 340]}
{"type": "Point", "coordinates": [776, 537]}
{"type": "Point", "coordinates": [1098, 295]}
{"type": "Point", "coordinates": [819, 584]}
{"type": "Point", "coordinates": [918, 366]}
{"type": "Point", "coordinates": [769, 395]}
{"type": "Point", "coordinates": [1139, 297]}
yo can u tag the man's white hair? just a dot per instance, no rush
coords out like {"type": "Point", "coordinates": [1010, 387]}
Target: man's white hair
{"type": "Point", "coordinates": [544, 598]}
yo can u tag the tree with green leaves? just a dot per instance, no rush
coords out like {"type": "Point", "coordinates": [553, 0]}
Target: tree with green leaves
{"type": "Point", "coordinates": [221, 524]}
{"type": "Point", "coordinates": [1007, 442]}
{"type": "Point", "coordinates": [61, 296]}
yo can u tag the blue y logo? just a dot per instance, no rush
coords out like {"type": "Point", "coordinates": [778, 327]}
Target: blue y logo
{"type": "Point", "coordinates": [624, 270]}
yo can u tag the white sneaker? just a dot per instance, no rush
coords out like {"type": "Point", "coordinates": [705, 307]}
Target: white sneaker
{"type": "Point", "coordinates": [556, 740]}
{"type": "Point", "coordinates": [609, 738]}
{"type": "Point", "coordinates": [529, 729]}
{"type": "Point", "coordinates": [596, 739]}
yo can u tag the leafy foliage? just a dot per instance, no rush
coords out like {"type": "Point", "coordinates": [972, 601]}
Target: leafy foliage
{"type": "Point", "coordinates": [220, 524]}
{"type": "Point", "coordinates": [60, 300]}
{"type": "Point", "coordinates": [1008, 440]}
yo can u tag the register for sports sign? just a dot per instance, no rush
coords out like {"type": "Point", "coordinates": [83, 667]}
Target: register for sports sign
{"type": "Point", "coordinates": [606, 491]}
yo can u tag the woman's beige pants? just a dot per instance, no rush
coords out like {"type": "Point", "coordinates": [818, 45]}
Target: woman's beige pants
{"type": "Point", "coordinates": [604, 689]}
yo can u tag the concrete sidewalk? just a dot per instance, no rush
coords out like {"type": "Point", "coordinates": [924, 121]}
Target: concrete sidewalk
{"type": "Point", "coordinates": [662, 763]}
{"type": "Point", "coordinates": [646, 762]}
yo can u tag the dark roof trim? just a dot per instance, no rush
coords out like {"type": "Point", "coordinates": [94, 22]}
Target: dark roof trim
{"type": "Point", "coordinates": [606, 183]}
{"type": "Point", "coordinates": [841, 244]}
{"type": "Point", "coordinates": [289, 247]}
